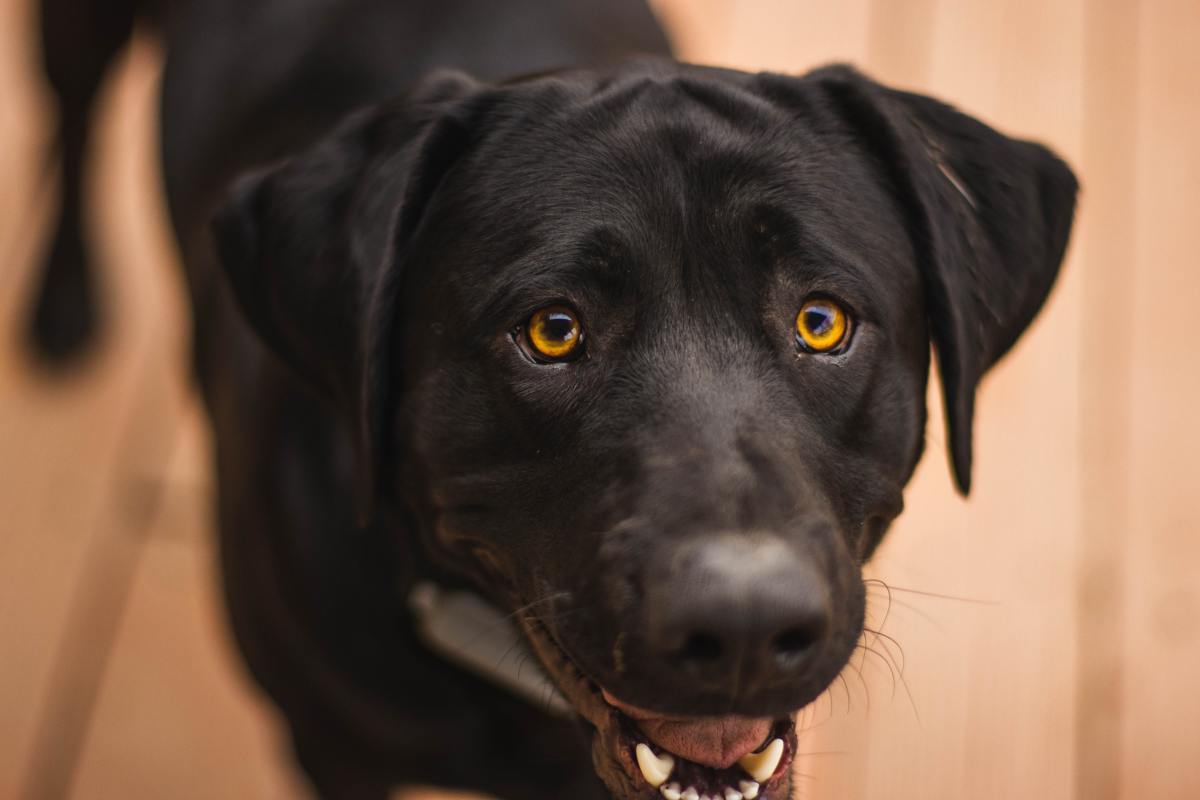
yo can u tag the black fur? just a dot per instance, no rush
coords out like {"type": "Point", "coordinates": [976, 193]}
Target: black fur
{"type": "Point", "coordinates": [687, 506]}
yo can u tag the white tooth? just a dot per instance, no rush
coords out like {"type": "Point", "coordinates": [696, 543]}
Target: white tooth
{"type": "Point", "coordinates": [749, 789]}
{"type": "Point", "coordinates": [732, 794]}
{"type": "Point", "coordinates": [690, 794]}
{"type": "Point", "coordinates": [761, 766]}
{"type": "Point", "coordinates": [671, 791]}
{"type": "Point", "coordinates": [655, 769]}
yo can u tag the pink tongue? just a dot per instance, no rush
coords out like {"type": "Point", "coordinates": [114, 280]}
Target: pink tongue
{"type": "Point", "coordinates": [712, 741]}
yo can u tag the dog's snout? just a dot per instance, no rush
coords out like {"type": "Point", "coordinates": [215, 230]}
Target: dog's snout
{"type": "Point", "coordinates": [733, 609]}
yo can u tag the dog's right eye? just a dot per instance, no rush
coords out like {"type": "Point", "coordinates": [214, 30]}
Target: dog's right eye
{"type": "Point", "coordinates": [554, 334]}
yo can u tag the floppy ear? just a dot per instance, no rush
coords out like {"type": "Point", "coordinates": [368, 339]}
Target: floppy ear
{"type": "Point", "coordinates": [990, 217]}
{"type": "Point", "coordinates": [313, 249]}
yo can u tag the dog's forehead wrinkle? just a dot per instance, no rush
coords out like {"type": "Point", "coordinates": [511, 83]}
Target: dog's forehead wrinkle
{"type": "Point", "coordinates": [589, 259]}
{"type": "Point", "coordinates": [684, 291]}
{"type": "Point", "coordinates": [695, 226]}
{"type": "Point", "coordinates": [677, 227]}
{"type": "Point", "coordinates": [657, 117]}
{"type": "Point", "coordinates": [713, 104]}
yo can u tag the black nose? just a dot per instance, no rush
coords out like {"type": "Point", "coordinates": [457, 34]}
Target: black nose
{"type": "Point", "coordinates": [738, 608]}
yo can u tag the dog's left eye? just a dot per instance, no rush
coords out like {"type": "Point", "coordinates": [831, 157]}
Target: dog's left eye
{"type": "Point", "coordinates": [822, 326]}
{"type": "Point", "coordinates": [554, 334]}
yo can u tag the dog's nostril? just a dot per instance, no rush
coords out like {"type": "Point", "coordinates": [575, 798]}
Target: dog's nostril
{"type": "Point", "coordinates": [794, 642]}
{"type": "Point", "coordinates": [700, 648]}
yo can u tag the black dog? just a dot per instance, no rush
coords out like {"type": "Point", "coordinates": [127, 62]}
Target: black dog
{"type": "Point", "coordinates": [637, 352]}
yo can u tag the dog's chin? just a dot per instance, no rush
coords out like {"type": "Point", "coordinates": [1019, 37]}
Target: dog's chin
{"type": "Point", "coordinates": [635, 767]}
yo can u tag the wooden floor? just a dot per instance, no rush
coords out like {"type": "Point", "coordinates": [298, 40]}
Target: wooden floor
{"type": "Point", "coordinates": [1042, 639]}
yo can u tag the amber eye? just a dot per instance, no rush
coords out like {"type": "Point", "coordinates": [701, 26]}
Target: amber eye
{"type": "Point", "coordinates": [554, 333]}
{"type": "Point", "coordinates": [821, 326]}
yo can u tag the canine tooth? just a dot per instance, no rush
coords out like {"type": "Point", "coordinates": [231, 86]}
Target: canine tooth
{"type": "Point", "coordinates": [761, 766]}
{"type": "Point", "coordinates": [690, 794]}
{"type": "Point", "coordinates": [655, 769]}
{"type": "Point", "coordinates": [732, 794]}
{"type": "Point", "coordinates": [749, 789]}
{"type": "Point", "coordinates": [671, 791]}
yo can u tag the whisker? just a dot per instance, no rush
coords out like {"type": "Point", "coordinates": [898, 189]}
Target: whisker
{"type": "Point", "coordinates": [846, 687]}
{"type": "Point", "coordinates": [920, 613]}
{"type": "Point", "coordinates": [866, 687]}
{"type": "Point", "coordinates": [832, 705]}
{"type": "Point", "coordinates": [886, 662]}
{"type": "Point", "coordinates": [813, 723]}
{"type": "Point", "coordinates": [887, 589]}
{"type": "Point", "coordinates": [809, 712]}
{"type": "Point", "coordinates": [549, 598]}
{"type": "Point", "coordinates": [878, 634]}
{"type": "Point", "coordinates": [937, 595]}
{"type": "Point", "coordinates": [484, 627]}
{"type": "Point", "coordinates": [514, 647]}
{"type": "Point", "coordinates": [903, 682]}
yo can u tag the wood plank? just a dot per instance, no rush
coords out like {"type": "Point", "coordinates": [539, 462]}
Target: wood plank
{"type": "Point", "coordinates": [1106, 249]}
{"type": "Point", "coordinates": [698, 28]}
{"type": "Point", "coordinates": [782, 35]}
{"type": "Point", "coordinates": [1162, 623]}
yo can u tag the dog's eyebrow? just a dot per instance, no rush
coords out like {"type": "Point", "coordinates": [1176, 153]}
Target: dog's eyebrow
{"type": "Point", "coordinates": [597, 263]}
{"type": "Point", "coordinates": [824, 263]}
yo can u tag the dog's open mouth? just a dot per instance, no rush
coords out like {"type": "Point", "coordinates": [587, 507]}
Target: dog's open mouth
{"type": "Point", "coordinates": [722, 758]}
{"type": "Point", "coordinates": [643, 754]}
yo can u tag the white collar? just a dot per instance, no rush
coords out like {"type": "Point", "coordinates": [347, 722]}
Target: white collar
{"type": "Point", "coordinates": [467, 630]}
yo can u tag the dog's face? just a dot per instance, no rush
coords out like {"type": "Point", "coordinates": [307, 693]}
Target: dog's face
{"type": "Point", "coordinates": [645, 354]}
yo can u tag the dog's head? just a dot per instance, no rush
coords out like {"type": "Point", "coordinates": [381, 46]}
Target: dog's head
{"type": "Point", "coordinates": [645, 354]}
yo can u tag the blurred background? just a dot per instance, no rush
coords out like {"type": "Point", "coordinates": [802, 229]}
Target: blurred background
{"type": "Point", "coordinates": [1042, 639]}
